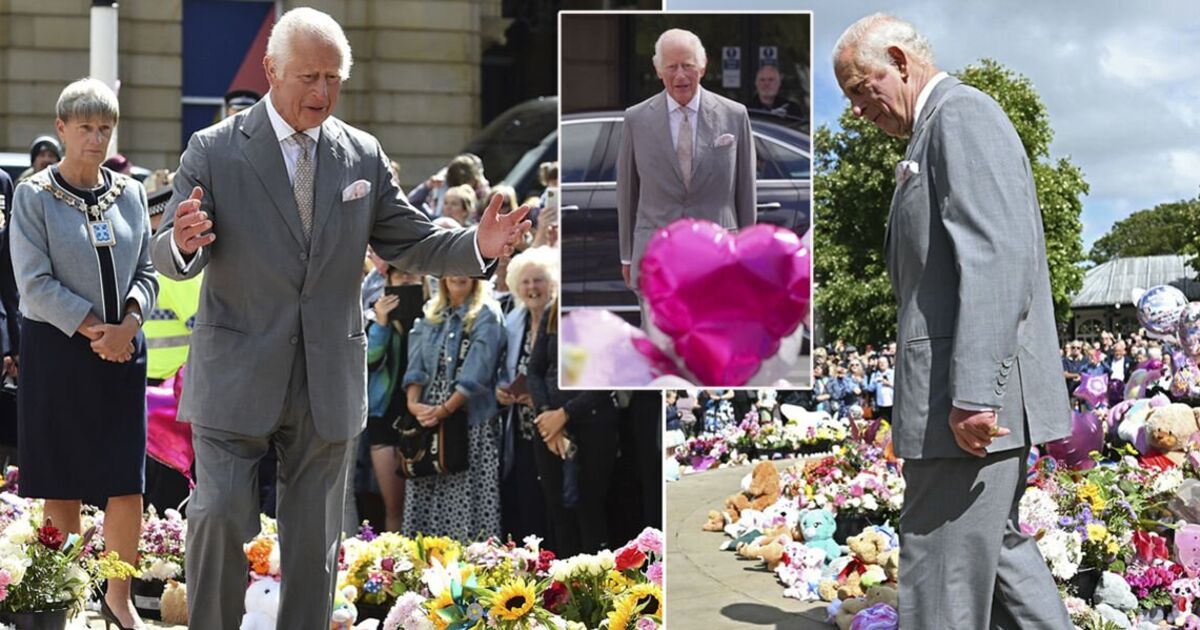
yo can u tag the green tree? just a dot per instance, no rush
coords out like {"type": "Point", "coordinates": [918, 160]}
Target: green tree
{"type": "Point", "coordinates": [852, 191]}
{"type": "Point", "coordinates": [1167, 228]}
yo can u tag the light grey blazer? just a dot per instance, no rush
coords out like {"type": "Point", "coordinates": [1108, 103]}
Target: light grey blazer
{"type": "Point", "coordinates": [650, 191]}
{"type": "Point", "coordinates": [967, 260]}
{"type": "Point", "coordinates": [55, 265]}
{"type": "Point", "coordinates": [266, 296]}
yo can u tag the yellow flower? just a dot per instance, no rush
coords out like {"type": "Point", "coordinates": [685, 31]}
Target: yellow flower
{"type": "Point", "coordinates": [444, 549]}
{"type": "Point", "coordinates": [622, 614]}
{"type": "Point", "coordinates": [1113, 546]}
{"type": "Point", "coordinates": [442, 601]}
{"type": "Point", "coordinates": [514, 601]}
{"type": "Point", "coordinates": [1091, 493]}
{"type": "Point", "coordinates": [648, 598]}
{"type": "Point", "coordinates": [616, 583]}
{"type": "Point", "coordinates": [1097, 532]}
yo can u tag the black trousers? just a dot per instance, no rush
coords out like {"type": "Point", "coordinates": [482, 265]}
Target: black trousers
{"type": "Point", "coordinates": [584, 528]}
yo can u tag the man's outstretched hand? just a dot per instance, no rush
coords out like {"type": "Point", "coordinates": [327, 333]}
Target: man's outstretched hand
{"type": "Point", "coordinates": [191, 223]}
{"type": "Point", "coordinates": [499, 233]}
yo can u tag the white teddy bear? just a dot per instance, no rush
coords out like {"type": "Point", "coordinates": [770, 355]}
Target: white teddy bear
{"type": "Point", "coordinates": [262, 604]}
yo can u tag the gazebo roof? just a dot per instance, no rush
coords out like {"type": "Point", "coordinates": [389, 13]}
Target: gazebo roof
{"type": "Point", "coordinates": [1112, 283]}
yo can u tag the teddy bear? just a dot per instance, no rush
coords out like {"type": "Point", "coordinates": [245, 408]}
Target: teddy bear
{"type": "Point", "coordinates": [1127, 420]}
{"type": "Point", "coordinates": [716, 522]}
{"type": "Point", "coordinates": [816, 528]}
{"type": "Point", "coordinates": [890, 561]}
{"type": "Point", "coordinates": [262, 604]}
{"type": "Point", "coordinates": [760, 489]}
{"type": "Point", "coordinates": [868, 545]}
{"type": "Point", "coordinates": [801, 571]}
{"type": "Point", "coordinates": [174, 604]}
{"type": "Point", "coordinates": [876, 595]}
{"type": "Point", "coordinates": [769, 549]}
{"type": "Point", "coordinates": [1170, 429]}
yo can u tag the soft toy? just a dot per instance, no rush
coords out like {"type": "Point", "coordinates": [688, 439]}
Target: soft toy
{"type": "Point", "coordinates": [1170, 429]}
{"type": "Point", "coordinates": [262, 604]}
{"type": "Point", "coordinates": [769, 549]}
{"type": "Point", "coordinates": [174, 604]}
{"type": "Point", "coordinates": [869, 545]}
{"type": "Point", "coordinates": [1115, 591]}
{"type": "Point", "coordinates": [876, 617]}
{"type": "Point", "coordinates": [1127, 420]}
{"type": "Point", "coordinates": [875, 596]}
{"type": "Point", "coordinates": [800, 571]}
{"type": "Point", "coordinates": [716, 522]}
{"type": "Point", "coordinates": [817, 527]}
{"type": "Point", "coordinates": [345, 613]}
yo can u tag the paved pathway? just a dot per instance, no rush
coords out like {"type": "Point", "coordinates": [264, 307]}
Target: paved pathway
{"type": "Point", "coordinates": [707, 588]}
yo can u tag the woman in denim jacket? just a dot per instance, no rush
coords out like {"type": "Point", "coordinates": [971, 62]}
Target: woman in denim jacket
{"type": "Point", "coordinates": [463, 505]}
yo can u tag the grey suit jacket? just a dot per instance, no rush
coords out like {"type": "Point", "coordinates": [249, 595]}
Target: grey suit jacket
{"type": "Point", "coordinates": [650, 191]}
{"type": "Point", "coordinates": [267, 296]}
{"type": "Point", "coordinates": [967, 260]}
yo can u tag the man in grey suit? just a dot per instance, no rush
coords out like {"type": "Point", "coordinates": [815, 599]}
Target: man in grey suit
{"type": "Point", "coordinates": [278, 356]}
{"type": "Point", "coordinates": [685, 153]}
{"type": "Point", "coordinates": [977, 373]}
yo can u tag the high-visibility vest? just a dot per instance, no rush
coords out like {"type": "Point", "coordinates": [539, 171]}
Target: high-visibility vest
{"type": "Point", "coordinates": [168, 328]}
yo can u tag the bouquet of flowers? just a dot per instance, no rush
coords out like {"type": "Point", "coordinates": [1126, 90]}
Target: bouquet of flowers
{"type": "Point", "coordinates": [161, 546]}
{"type": "Point", "coordinates": [702, 453]}
{"type": "Point", "coordinates": [44, 569]}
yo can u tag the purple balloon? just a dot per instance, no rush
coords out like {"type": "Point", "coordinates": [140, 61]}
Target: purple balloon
{"type": "Point", "coordinates": [1086, 436]}
{"type": "Point", "coordinates": [1188, 330]}
{"type": "Point", "coordinates": [1092, 389]}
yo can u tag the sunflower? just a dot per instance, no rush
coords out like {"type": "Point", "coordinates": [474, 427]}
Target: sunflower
{"type": "Point", "coordinates": [436, 605]}
{"type": "Point", "coordinates": [443, 549]}
{"type": "Point", "coordinates": [647, 598]}
{"type": "Point", "coordinates": [514, 601]}
{"type": "Point", "coordinates": [623, 614]}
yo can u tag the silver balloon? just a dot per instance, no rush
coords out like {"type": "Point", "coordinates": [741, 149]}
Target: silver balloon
{"type": "Point", "coordinates": [1158, 309]}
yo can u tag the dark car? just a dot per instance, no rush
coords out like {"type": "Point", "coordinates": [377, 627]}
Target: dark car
{"type": "Point", "coordinates": [591, 260]}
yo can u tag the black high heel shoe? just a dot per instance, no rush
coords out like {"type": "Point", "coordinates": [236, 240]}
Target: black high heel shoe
{"type": "Point", "coordinates": [110, 617]}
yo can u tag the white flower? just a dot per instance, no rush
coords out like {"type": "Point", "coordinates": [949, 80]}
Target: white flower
{"type": "Point", "coordinates": [1038, 510]}
{"type": "Point", "coordinates": [20, 532]}
{"type": "Point", "coordinates": [532, 542]}
{"type": "Point", "coordinates": [560, 570]}
{"type": "Point", "coordinates": [162, 570]}
{"type": "Point", "coordinates": [1168, 481]}
{"type": "Point", "coordinates": [607, 559]}
{"type": "Point", "coordinates": [1063, 551]}
{"type": "Point", "coordinates": [869, 503]}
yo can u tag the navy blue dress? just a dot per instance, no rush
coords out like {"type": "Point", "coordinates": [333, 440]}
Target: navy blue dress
{"type": "Point", "coordinates": [81, 419]}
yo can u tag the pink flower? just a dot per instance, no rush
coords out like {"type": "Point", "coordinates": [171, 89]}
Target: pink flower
{"type": "Point", "coordinates": [650, 540]}
{"type": "Point", "coordinates": [655, 573]}
{"type": "Point", "coordinates": [646, 623]}
{"type": "Point", "coordinates": [856, 491]}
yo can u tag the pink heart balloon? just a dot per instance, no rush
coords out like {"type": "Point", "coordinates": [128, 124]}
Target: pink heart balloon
{"type": "Point", "coordinates": [726, 301]}
{"type": "Point", "coordinates": [603, 350]}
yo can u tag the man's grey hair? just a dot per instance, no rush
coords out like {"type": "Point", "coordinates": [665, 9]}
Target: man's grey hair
{"type": "Point", "coordinates": [871, 37]}
{"type": "Point", "coordinates": [87, 99]}
{"type": "Point", "coordinates": [311, 22]}
{"type": "Point", "coordinates": [678, 35]}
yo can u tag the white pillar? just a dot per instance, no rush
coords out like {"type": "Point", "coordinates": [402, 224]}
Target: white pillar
{"type": "Point", "coordinates": [103, 57]}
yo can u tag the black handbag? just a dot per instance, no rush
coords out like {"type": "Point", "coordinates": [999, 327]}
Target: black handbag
{"type": "Point", "coordinates": [440, 450]}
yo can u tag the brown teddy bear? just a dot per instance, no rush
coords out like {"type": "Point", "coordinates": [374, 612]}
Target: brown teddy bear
{"type": "Point", "coordinates": [716, 522]}
{"type": "Point", "coordinates": [890, 561]}
{"type": "Point", "coordinates": [874, 595]}
{"type": "Point", "coordinates": [762, 491]}
{"type": "Point", "coordinates": [769, 549]}
{"type": "Point", "coordinates": [174, 604]}
{"type": "Point", "coordinates": [868, 546]}
{"type": "Point", "coordinates": [1171, 427]}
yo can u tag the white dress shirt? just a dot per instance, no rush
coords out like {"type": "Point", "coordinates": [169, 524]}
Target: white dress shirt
{"type": "Point", "coordinates": [675, 111]}
{"type": "Point", "coordinates": [291, 155]}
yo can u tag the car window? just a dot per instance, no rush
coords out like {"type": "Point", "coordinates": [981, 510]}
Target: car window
{"type": "Point", "coordinates": [607, 170]}
{"type": "Point", "coordinates": [578, 145]}
{"type": "Point", "coordinates": [785, 162]}
{"type": "Point", "coordinates": [765, 167]}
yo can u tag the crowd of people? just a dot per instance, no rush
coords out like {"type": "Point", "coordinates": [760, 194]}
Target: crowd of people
{"type": "Point", "coordinates": [579, 469]}
{"type": "Point", "coordinates": [859, 382]}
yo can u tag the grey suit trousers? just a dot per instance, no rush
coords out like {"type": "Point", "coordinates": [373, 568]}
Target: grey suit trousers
{"type": "Point", "coordinates": [964, 563]}
{"type": "Point", "coordinates": [223, 515]}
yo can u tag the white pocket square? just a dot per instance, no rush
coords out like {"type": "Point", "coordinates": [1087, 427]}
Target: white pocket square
{"type": "Point", "coordinates": [906, 169]}
{"type": "Point", "coordinates": [357, 190]}
{"type": "Point", "coordinates": [724, 140]}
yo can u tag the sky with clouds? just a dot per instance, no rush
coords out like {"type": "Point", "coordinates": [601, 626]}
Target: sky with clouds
{"type": "Point", "coordinates": [1121, 81]}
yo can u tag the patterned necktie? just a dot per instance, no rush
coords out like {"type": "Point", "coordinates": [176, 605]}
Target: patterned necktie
{"type": "Point", "coordinates": [683, 148]}
{"type": "Point", "coordinates": [302, 184]}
